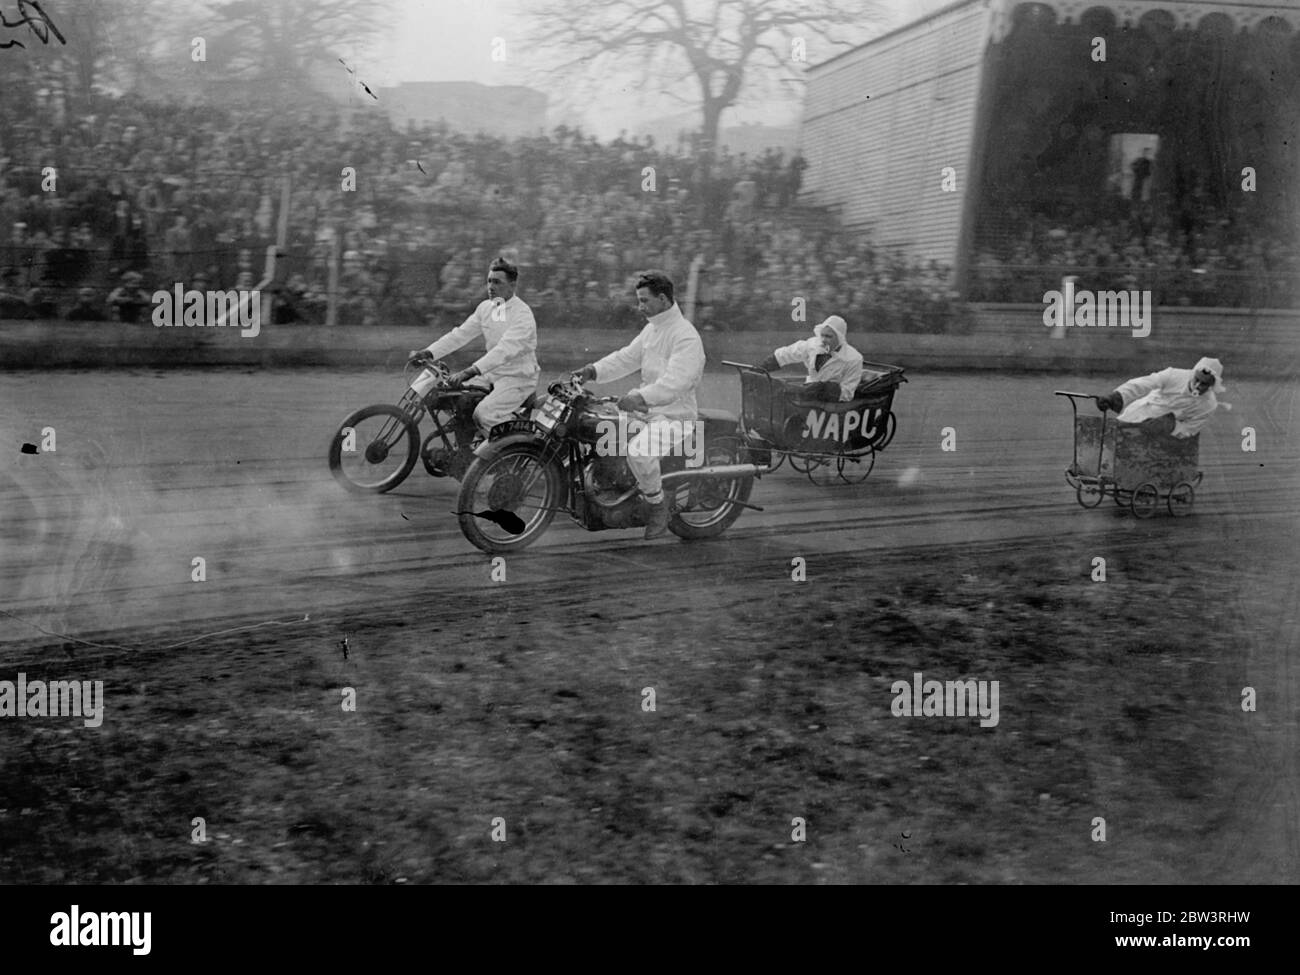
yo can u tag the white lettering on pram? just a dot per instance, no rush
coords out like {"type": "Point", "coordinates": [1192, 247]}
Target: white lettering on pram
{"type": "Point", "coordinates": [838, 426]}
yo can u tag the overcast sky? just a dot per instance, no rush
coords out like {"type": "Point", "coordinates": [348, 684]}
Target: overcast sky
{"type": "Point", "coordinates": [451, 40]}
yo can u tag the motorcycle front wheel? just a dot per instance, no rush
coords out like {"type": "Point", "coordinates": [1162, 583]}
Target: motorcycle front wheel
{"type": "Point", "coordinates": [514, 482]}
{"type": "Point", "coordinates": [374, 449]}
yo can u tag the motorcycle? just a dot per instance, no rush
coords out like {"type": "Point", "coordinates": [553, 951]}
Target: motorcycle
{"type": "Point", "coordinates": [559, 460]}
{"type": "Point", "coordinates": [376, 447]}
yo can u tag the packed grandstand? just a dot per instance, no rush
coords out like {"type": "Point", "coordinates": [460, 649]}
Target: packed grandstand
{"type": "Point", "coordinates": [152, 194]}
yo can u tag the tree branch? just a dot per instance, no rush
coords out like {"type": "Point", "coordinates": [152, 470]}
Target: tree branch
{"type": "Point", "coordinates": [727, 45]}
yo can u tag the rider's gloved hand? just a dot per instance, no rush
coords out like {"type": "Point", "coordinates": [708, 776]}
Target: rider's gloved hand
{"type": "Point", "coordinates": [422, 354]}
{"type": "Point", "coordinates": [586, 374]}
{"type": "Point", "coordinates": [633, 403]}
{"type": "Point", "coordinates": [1113, 402]}
{"type": "Point", "coordinates": [458, 379]}
{"type": "Point", "coordinates": [769, 364]}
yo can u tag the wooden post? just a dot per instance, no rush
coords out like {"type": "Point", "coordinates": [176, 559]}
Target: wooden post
{"type": "Point", "coordinates": [693, 287]}
{"type": "Point", "coordinates": [282, 231]}
{"type": "Point", "coordinates": [336, 254]}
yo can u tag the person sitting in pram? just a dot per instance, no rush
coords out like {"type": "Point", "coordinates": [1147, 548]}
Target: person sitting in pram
{"type": "Point", "coordinates": [1176, 402]}
{"type": "Point", "coordinates": [834, 367]}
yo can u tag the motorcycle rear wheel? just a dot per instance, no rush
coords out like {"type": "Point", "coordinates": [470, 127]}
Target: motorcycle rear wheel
{"type": "Point", "coordinates": [516, 480]}
{"type": "Point", "coordinates": [711, 498]}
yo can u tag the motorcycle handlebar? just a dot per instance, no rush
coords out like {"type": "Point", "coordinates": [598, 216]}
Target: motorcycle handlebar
{"type": "Point", "coordinates": [577, 385]}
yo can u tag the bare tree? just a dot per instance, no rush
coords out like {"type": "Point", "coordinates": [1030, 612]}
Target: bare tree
{"type": "Point", "coordinates": [113, 41]}
{"type": "Point", "coordinates": [281, 39]}
{"type": "Point", "coordinates": [74, 50]}
{"type": "Point", "coordinates": [724, 46]}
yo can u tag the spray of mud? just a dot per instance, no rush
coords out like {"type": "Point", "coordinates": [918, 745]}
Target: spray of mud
{"type": "Point", "coordinates": [100, 534]}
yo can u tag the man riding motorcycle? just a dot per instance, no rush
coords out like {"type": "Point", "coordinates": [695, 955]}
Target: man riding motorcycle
{"type": "Point", "coordinates": [670, 357]}
{"type": "Point", "coordinates": [509, 366]}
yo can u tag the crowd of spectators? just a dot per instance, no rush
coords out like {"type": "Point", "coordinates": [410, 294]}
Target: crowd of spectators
{"type": "Point", "coordinates": [149, 195]}
{"type": "Point", "coordinates": [1223, 261]}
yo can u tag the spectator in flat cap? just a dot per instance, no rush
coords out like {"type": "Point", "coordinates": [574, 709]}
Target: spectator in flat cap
{"type": "Point", "coordinates": [39, 304]}
{"type": "Point", "coordinates": [89, 308]}
{"type": "Point", "coordinates": [129, 301]}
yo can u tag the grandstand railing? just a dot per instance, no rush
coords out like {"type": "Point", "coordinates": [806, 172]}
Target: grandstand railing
{"type": "Point", "coordinates": [396, 289]}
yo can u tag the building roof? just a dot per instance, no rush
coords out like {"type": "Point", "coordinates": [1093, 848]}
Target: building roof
{"type": "Point", "coordinates": [1186, 13]}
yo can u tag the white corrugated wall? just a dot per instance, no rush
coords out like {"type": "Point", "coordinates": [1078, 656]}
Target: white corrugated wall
{"type": "Point", "coordinates": [880, 159]}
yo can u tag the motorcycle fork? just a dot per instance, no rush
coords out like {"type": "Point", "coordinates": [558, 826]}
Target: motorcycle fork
{"type": "Point", "coordinates": [567, 456]}
{"type": "Point", "coordinates": [412, 405]}
{"type": "Point", "coordinates": [392, 430]}
{"type": "Point", "coordinates": [551, 449]}
{"type": "Point", "coordinates": [577, 500]}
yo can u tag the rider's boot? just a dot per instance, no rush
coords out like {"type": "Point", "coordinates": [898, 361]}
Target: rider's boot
{"type": "Point", "coordinates": [656, 517]}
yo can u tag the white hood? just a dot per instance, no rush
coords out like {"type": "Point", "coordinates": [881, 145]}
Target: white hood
{"type": "Point", "coordinates": [836, 325]}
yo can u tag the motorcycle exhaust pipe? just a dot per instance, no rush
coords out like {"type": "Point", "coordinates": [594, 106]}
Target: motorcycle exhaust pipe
{"type": "Point", "coordinates": [719, 470]}
{"type": "Point", "coordinates": [668, 480]}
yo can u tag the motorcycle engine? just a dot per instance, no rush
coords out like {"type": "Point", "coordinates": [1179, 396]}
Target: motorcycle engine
{"type": "Point", "coordinates": [440, 462]}
{"type": "Point", "coordinates": [611, 493]}
{"type": "Point", "coordinates": [609, 474]}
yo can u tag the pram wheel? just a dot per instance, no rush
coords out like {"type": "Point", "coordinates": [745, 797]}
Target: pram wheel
{"type": "Point", "coordinates": [1181, 498]}
{"type": "Point", "coordinates": [1088, 493]}
{"type": "Point", "coordinates": [804, 464]}
{"type": "Point", "coordinates": [854, 469]}
{"type": "Point", "coordinates": [1145, 500]}
{"type": "Point", "coordinates": [824, 473]}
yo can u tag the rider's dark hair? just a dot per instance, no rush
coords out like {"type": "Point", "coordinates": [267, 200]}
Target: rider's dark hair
{"type": "Point", "coordinates": [501, 264]}
{"type": "Point", "coordinates": [657, 282]}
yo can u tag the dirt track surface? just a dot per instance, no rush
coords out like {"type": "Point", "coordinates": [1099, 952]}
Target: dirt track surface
{"type": "Point", "coordinates": [523, 699]}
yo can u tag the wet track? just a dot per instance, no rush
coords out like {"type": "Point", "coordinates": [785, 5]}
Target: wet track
{"type": "Point", "coordinates": [970, 561]}
{"type": "Point", "coordinates": [153, 470]}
